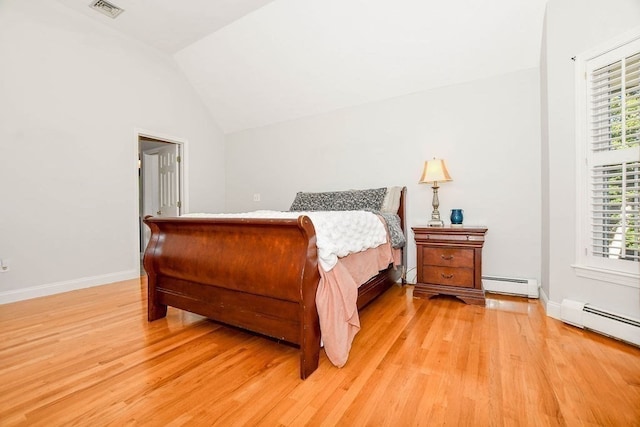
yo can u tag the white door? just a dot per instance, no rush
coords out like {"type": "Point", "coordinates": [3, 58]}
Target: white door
{"type": "Point", "coordinates": [160, 182]}
{"type": "Point", "coordinates": [169, 181]}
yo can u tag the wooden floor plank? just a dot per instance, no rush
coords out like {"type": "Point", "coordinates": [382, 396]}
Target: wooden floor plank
{"type": "Point", "coordinates": [89, 357]}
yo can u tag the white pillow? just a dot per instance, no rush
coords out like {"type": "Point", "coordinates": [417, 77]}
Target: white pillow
{"type": "Point", "coordinates": [391, 202]}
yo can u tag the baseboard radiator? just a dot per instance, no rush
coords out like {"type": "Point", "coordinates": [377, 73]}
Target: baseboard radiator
{"type": "Point", "coordinates": [511, 286]}
{"type": "Point", "coordinates": [614, 325]}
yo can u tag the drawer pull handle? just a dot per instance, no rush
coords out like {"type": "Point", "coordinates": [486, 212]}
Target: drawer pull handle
{"type": "Point", "coordinates": [446, 276]}
{"type": "Point", "coordinates": [447, 258]}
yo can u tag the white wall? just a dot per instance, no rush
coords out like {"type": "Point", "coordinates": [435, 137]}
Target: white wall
{"type": "Point", "coordinates": [299, 58]}
{"type": "Point", "coordinates": [544, 172]}
{"type": "Point", "coordinates": [72, 93]}
{"type": "Point", "coordinates": [573, 27]}
{"type": "Point", "coordinates": [487, 130]}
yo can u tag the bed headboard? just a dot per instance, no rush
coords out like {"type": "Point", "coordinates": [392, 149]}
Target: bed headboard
{"type": "Point", "coordinates": [402, 213]}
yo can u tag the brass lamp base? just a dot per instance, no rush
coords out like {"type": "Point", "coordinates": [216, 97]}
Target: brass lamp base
{"type": "Point", "coordinates": [435, 223]}
{"type": "Point", "coordinates": [435, 215]}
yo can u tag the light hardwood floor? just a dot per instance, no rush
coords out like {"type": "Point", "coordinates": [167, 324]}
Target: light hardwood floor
{"type": "Point", "coordinates": [90, 358]}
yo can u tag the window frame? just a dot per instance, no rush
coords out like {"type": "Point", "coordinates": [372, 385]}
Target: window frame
{"type": "Point", "coordinates": [626, 273]}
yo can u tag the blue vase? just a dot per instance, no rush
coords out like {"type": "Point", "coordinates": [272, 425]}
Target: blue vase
{"type": "Point", "coordinates": [456, 216]}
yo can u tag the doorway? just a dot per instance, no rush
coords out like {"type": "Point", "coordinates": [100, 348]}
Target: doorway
{"type": "Point", "coordinates": [160, 181]}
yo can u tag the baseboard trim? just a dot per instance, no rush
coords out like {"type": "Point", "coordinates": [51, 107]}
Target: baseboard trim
{"type": "Point", "coordinates": [15, 295]}
{"type": "Point", "coordinates": [553, 309]}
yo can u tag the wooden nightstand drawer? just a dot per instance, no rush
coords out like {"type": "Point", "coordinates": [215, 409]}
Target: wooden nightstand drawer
{"type": "Point", "coordinates": [449, 276]}
{"type": "Point", "coordinates": [448, 257]}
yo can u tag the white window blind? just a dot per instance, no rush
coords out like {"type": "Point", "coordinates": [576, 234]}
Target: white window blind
{"type": "Point", "coordinates": [613, 158]}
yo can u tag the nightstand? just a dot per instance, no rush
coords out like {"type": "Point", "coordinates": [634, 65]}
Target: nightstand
{"type": "Point", "coordinates": [449, 261]}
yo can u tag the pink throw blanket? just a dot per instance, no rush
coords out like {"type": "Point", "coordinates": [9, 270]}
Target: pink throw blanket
{"type": "Point", "coordinates": [337, 296]}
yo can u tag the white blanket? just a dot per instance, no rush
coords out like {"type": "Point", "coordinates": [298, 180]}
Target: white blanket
{"type": "Point", "coordinates": [338, 233]}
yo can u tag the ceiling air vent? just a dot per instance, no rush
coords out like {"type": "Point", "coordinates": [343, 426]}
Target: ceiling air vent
{"type": "Point", "coordinates": [106, 8]}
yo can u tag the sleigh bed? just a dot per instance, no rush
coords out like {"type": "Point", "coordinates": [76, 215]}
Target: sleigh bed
{"type": "Point", "coordinates": [259, 274]}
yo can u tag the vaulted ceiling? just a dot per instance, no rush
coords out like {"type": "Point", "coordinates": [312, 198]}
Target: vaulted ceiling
{"type": "Point", "coordinates": [258, 62]}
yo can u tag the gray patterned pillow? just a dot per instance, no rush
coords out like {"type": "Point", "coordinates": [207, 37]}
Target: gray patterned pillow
{"type": "Point", "coordinates": [356, 200]}
{"type": "Point", "coordinates": [351, 200]}
{"type": "Point", "coordinates": [312, 202]}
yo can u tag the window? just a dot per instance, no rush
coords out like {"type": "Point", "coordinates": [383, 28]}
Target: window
{"type": "Point", "coordinates": [609, 143]}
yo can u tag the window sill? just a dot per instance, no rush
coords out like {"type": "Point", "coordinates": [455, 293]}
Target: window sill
{"type": "Point", "coordinates": [625, 279]}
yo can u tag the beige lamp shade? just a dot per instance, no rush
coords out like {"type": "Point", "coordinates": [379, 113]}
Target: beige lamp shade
{"type": "Point", "coordinates": [434, 171]}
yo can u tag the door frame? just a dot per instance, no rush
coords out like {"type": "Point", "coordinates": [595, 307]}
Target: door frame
{"type": "Point", "coordinates": [183, 174]}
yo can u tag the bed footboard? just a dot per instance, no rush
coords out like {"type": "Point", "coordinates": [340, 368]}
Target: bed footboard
{"type": "Point", "coordinates": [256, 274]}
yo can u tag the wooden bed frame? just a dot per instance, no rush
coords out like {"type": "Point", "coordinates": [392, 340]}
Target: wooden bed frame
{"type": "Point", "coordinates": [256, 274]}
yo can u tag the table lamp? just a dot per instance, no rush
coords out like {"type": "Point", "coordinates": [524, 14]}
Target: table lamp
{"type": "Point", "coordinates": [435, 171]}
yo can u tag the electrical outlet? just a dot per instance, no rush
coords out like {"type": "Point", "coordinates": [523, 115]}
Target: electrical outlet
{"type": "Point", "coordinates": [4, 265]}
{"type": "Point", "coordinates": [256, 197]}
